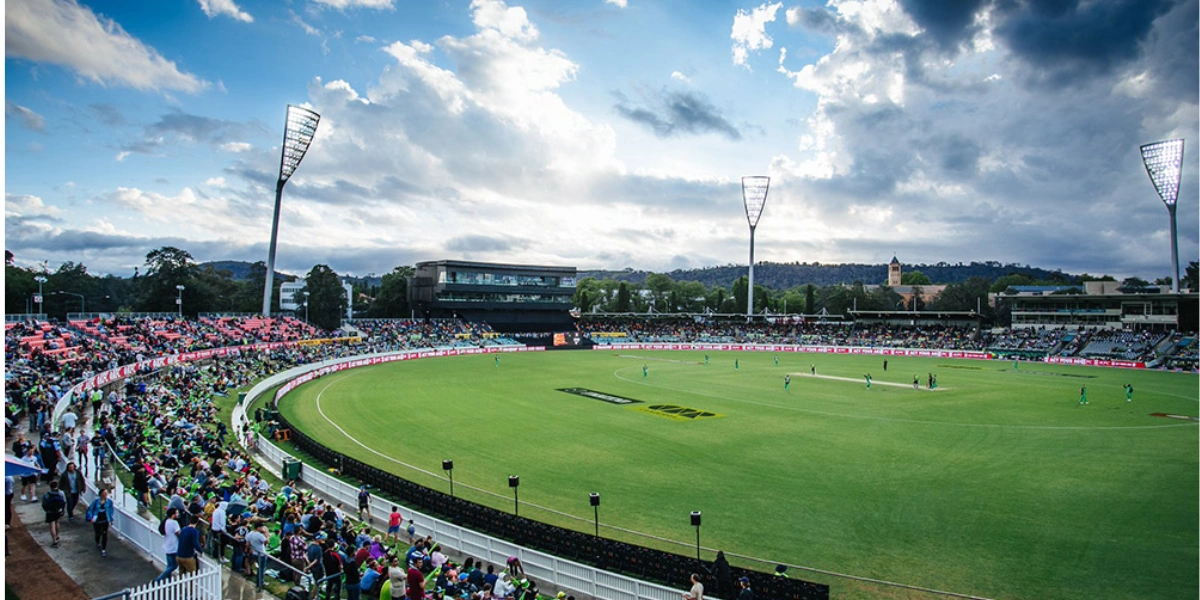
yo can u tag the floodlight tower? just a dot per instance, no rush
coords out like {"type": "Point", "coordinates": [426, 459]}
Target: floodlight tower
{"type": "Point", "coordinates": [754, 195]}
{"type": "Point", "coordinates": [298, 134]}
{"type": "Point", "coordinates": [1164, 165]}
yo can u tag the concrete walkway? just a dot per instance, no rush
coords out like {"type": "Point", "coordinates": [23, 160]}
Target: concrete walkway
{"type": "Point", "coordinates": [124, 567]}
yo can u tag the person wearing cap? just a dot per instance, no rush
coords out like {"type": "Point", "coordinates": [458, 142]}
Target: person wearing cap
{"type": "Point", "coordinates": [313, 554]}
{"type": "Point", "coordinates": [697, 591]}
{"type": "Point", "coordinates": [416, 580]}
{"type": "Point", "coordinates": [746, 593]}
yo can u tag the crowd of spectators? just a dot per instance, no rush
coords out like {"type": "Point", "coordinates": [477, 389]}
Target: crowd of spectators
{"type": "Point", "coordinates": [384, 335]}
{"type": "Point", "coordinates": [165, 426]}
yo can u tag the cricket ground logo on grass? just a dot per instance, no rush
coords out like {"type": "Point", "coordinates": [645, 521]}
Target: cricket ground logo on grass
{"type": "Point", "coordinates": [682, 413]}
{"type": "Point", "coordinates": [601, 396]}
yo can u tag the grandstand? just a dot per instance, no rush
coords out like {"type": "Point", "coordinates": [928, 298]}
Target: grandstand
{"type": "Point", "coordinates": [45, 358]}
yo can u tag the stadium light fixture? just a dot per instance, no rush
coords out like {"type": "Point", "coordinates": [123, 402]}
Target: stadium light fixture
{"type": "Point", "coordinates": [1164, 165]}
{"type": "Point", "coordinates": [298, 132]}
{"type": "Point", "coordinates": [594, 500]}
{"type": "Point", "coordinates": [514, 482]}
{"type": "Point", "coordinates": [448, 467]}
{"type": "Point", "coordinates": [754, 196]}
{"type": "Point", "coordinates": [179, 300]}
{"type": "Point", "coordinates": [40, 279]}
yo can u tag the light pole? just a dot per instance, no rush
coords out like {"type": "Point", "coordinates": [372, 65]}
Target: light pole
{"type": "Point", "coordinates": [304, 295]}
{"type": "Point", "coordinates": [179, 300]}
{"type": "Point", "coordinates": [40, 279]}
{"type": "Point", "coordinates": [1164, 165]}
{"type": "Point", "coordinates": [82, 301]}
{"type": "Point", "coordinates": [754, 196]}
{"type": "Point", "coordinates": [298, 133]}
{"type": "Point", "coordinates": [594, 499]}
{"type": "Point", "coordinates": [448, 467]}
{"type": "Point", "coordinates": [514, 482]}
{"type": "Point", "coordinates": [696, 524]}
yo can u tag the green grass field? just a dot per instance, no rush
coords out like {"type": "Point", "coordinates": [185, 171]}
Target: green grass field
{"type": "Point", "coordinates": [996, 484]}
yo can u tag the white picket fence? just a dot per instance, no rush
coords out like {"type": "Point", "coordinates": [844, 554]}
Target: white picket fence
{"type": "Point", "coordinates": [204, 584]}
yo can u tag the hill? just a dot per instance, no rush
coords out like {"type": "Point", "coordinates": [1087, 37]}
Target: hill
{"type": "Point", "coordinates": [781, 276]}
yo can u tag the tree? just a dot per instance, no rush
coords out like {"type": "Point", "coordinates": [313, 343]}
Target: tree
{"type": "Point", "coordinates": [916, 302]}
{"type": "Point", "coordinates": [965, 296]}
{"type": "Point", "coordinates": [623, 300]}
{"type": "Point", "coordinates": [1007, 281]}
{"type": "Point", "coordinates": [914, 278]}
{"type": "Point", "coordinates": [166, 268]}
{"type": "Point", "coordinates": [392, 299]}
{"type": "Point", "coordinates": [1190, 276]}
{"type": "Point", "coordinates": [810, 299]}
{"type": "Point", "coordinates": [740, 291]}
{"type": "Point", "coordinates": [660, 286]}
{"type": "Point", "coordinates": [326, 298]}
{"type": "Point", "coordinates": [587, 293]}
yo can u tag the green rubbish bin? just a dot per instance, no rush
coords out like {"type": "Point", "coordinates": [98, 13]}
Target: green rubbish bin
{"type": "Point", "coordinates": [241, 398]}
{"type": "Point", "coordinates": [291, 469]}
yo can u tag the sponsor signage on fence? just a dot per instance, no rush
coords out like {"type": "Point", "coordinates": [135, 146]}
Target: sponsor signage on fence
{"type": "Point", "coordinates": [920, 352]}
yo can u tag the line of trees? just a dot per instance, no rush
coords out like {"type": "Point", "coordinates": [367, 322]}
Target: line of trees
{"type": "Point", "coordinates": [153, 288]}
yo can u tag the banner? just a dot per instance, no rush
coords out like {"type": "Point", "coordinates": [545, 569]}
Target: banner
{"type": "Point", "coordinates": [918, 352]}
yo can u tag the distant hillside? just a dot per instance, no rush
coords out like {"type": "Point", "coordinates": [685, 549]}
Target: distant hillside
{"type": "Point", "coordinates": [781, 276]}
{"type": "Point", "coordinates": [240, 269]}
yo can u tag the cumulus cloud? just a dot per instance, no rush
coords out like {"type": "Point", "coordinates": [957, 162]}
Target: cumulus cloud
{"type": "Point", "coordinates": [236, 147]}
{"type": "Point", "coordinates": [618, 3]}
{"type": "Point", "coordinates": [213, 8]}
{"type": "Point", "coordinates": [749, 31]}
{"type": "Point", "coordinates": [64, 33]}
{"type": "Point", "coordinates": [29, 119]}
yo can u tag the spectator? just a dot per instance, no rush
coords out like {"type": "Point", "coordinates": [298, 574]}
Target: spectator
{"type": "Point", "coordinates": [100, 514]}
{"type": "Point", "coordinates": [54, 502]}
{"type": "Point", "coordinates": [71, 483]}
{"type": "Point", "coordinates": [190, 547]}
{"type": "Point", "coordinates": [416, 580]}
{"type": "Point", "coordinates": [697, 591]}
{"type": "Point", "coordinates": [256, 540]}
{"type": "Point", "coordinates": [170, 532]}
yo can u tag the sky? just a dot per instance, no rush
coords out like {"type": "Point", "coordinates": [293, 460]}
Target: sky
{"type": "Point", "coordinates": [600, 134]}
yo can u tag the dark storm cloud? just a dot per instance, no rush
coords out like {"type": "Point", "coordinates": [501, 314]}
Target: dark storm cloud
{"type": "Point", "coordinates": [678, 113]}
{"type": "Point", "coordinates": [948, 23]}
{"type": "Point", "coordinates": [1064, 43]}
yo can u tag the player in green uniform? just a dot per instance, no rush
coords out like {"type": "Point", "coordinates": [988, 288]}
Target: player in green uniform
{"type": "Point", "coordinates": [735, 364]}
{"type": "Point", "coordinates": [497, 360]}
{"type": "Point", "coordinates": [706, 359]}
{"type": "Point", "coordinates": [1129, 392]}
{"type": "Point", "coordinates": [787, 381]}
{"type": "Point", "coordinates": [645, 372]}
{"type": "Point", "coordinates": [868, 376]}
{"type": "Point", "coordinates": [777, 360]}
{"type": "Point", "coordinates": [1083, 394]}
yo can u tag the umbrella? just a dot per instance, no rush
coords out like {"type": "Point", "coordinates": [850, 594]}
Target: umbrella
{"type": "Point", "coordinates": [15, 467]}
